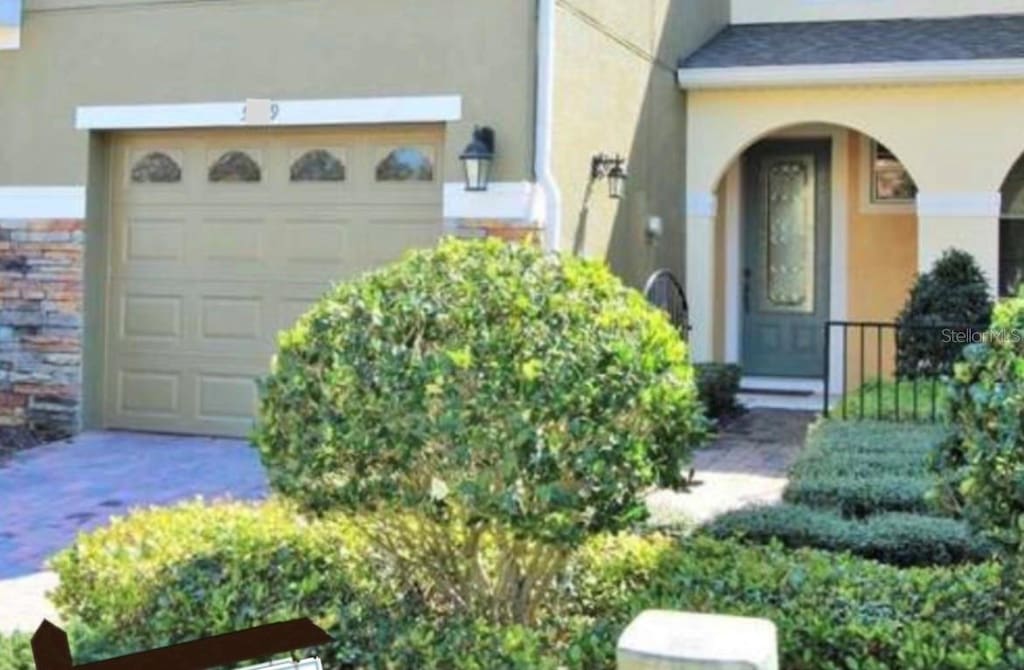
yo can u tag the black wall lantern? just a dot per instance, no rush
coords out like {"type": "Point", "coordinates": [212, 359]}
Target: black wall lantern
{"type": "Point", "coordinates": [614, 169]}
{"type": "Point", "coordinates": [477, 159]}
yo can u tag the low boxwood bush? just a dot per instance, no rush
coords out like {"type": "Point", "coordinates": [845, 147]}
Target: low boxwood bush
{"type": "Point", "coordinates": [198, 570]}
{"type": "Point", "coordinates": [859, 497]}
{"type": "Point", "coordinates": [718, 384]}
{"type": "Point", "coordinates": [495, 404]}
{"type": "Point", "coordinates": [833, 611]}
{"type": "Point", "coordinates": [895, 538]}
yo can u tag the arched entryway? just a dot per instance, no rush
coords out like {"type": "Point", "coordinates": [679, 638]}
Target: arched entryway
{"type": "Point", "coordinates": [811, 222]}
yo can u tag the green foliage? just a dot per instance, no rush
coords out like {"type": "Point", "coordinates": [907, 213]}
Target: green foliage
{"type": "Point", "coordinates": [515, 401]}
{"type": "Point", "coordinates": [718, 384]}
{"type": "Point", "coordinates": [253, 565]}
{"type": "Point", "coordinates": [859, 497]}
{"type": "Point", "coordinates": [834, 612]}
{"type": "Point", "coordinates": [955, 292]}
{"type": "Point", "coordinates": [985, 459]}
{"type": "Point", "coordinates": [168, 575]}
{"type": "Point", "coordinates": [16, 652]}
{"type": "Point", "coordinates": [924, 401]}
{"type": "Point", "coordinates": [894, 538]}
{"type": "Point", "coordinates": [865, 468]}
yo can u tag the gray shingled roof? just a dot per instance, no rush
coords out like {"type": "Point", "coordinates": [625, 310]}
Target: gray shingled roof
{"type": "Point", "coordinates": [833, 42]}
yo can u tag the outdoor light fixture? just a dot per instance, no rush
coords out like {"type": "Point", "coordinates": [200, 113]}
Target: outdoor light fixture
{"type": "Point", "coordinates": [477, 159]}
{"type": "Point", "coordinates": [614, 169]}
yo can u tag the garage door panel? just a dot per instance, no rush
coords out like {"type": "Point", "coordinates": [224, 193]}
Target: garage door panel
{"type": "Point", "coordinates": [148, 393]}
{"type": "Point", "coordinates": [207, 272]}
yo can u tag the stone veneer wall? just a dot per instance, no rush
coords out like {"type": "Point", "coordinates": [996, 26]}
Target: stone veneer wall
{"type": "Point", "coordinates": [41, 296]}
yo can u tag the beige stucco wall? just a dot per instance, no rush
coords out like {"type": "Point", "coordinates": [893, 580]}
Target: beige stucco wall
{"type": "Point", "coordinates": [105, 52]}
{"type": "Point", "coordinates": [760, 11]}
{"type": "Point", "coordinates": [615, 92]}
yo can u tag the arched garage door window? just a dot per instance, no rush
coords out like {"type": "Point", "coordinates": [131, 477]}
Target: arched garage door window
{"type": "Point", "coordinates": [1011, 231]}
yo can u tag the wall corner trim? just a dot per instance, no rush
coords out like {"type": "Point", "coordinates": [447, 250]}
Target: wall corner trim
{"type": "Point", "coordinates": [412, 109]}
{"type": "Point", "coordinates": [42, 202]}
{"type": "Point", "coordinates": [958, 204]}
{"type": "Point", "coordinates": [510, 201]}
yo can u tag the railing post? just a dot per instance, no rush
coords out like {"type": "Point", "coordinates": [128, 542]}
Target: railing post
{"type": "Point", "coordinates": [828, 368]}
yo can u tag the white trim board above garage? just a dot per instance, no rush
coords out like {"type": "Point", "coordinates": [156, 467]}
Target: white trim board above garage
{"type": "Point", "coordinates": [413, 109]}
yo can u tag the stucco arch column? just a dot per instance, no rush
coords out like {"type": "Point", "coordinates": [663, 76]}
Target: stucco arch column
{"type": "Point", "coordinates": [701, 245]}
{"type": "Point", "coordinates": [966, 220]}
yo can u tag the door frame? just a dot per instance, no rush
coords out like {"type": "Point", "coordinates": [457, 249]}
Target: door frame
{"type": "Point", "coordinates": [731, 199]}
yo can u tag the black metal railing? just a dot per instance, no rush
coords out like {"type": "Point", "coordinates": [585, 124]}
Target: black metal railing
{"type": "Point", "coordinates": [663, 290]}
{"type": "Point", "coordinates": [891, 371]}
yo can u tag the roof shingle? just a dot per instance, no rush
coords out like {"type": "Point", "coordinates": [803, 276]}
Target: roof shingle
{"type": "Point", "coordinates": [882, 41]}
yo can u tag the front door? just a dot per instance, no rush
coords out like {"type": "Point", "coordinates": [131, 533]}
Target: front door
{"type": "Point", "coordinates": [785, 282]}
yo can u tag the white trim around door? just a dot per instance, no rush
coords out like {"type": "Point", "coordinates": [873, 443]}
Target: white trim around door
{"type": "Point", "coordinates": [412, 109]}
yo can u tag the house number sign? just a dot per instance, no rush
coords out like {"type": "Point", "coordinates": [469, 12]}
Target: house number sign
{"type": "Point", "coordinates": [260, 112]}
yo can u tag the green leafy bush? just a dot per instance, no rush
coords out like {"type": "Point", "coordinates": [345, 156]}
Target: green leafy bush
{"type": "Point", "coordinates": [867, 449]}
{"type": "Point", "coordinates": [894, 538]}
{"type": "Point", "coordinates": [257, 564]}
{"type": "Point", "coordinates": [515, 401]}
{"type": "Point", "coordinates": [985, 459]}
{"type": "Point", "coordinates": [16, 652]}
{"type": "Point", "coordinates": [718, 384]}
{"type": "Point", "coordinates": [167, 575]}
{"type": "Point", "coordinates": [955, 292]}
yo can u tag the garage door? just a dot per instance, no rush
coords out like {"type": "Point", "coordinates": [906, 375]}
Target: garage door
{"type": "Point", "coordinates": [221, 239]}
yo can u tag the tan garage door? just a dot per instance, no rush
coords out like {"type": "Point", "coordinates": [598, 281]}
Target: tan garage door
{"type": "Point", "coordinates": [221, 239]}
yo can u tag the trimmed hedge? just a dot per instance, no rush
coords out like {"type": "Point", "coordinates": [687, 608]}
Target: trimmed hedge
{"type": "Point", "coordinates": [205, 569]}
{"type": "Point", "coordinates": [859, 497]}
{"type": "Point", "coordinates": [894, 538]}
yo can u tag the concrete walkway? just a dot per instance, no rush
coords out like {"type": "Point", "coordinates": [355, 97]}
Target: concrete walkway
{"type": "Point", "coordinates": [50, 494]}
{"type": "Point", "coordinates": [745, 465]}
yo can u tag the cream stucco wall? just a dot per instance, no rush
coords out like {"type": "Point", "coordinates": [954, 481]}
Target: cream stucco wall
{"type": "Point", "coordinates": [761, 11]}
{"type": "Point", "coordinates": [107, 52]}
{"type": "Point", "coordinates": [615, 92]}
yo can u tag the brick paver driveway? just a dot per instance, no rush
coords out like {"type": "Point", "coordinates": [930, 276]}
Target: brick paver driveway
{"type": "Point", "coordinates": [50, 494]}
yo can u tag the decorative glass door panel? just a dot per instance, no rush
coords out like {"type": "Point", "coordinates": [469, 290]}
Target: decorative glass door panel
{"type": "Point", "coordinates": [785, 257]}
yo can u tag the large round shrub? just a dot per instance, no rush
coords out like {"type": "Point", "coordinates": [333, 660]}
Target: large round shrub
{"type": "Point", "coordinates": [525, 399]}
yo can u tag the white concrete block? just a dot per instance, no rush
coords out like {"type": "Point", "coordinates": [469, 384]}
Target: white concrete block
{"type": "Point", "coordinates": [663, 640]}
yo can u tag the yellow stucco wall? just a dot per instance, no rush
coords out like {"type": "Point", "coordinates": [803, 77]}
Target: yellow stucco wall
{"type": "Point", "coordinates": [616, 92]}
{"type": "Point", "coordinates": [108, 53]}
{"type": "Point", "coordinates": [881, 249]}
{"type": "Point", "coordinates": [958, 141]}
{"type": "Point", "coordinates": [882, 265]}
{"type": "Point", "coordinates": [952, 137]}
{"type": "Point", "coordinates": [759, 11]}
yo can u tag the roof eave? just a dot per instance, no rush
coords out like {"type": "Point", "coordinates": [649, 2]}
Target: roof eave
{"type": "Point", "coordinates": [903, 72]}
